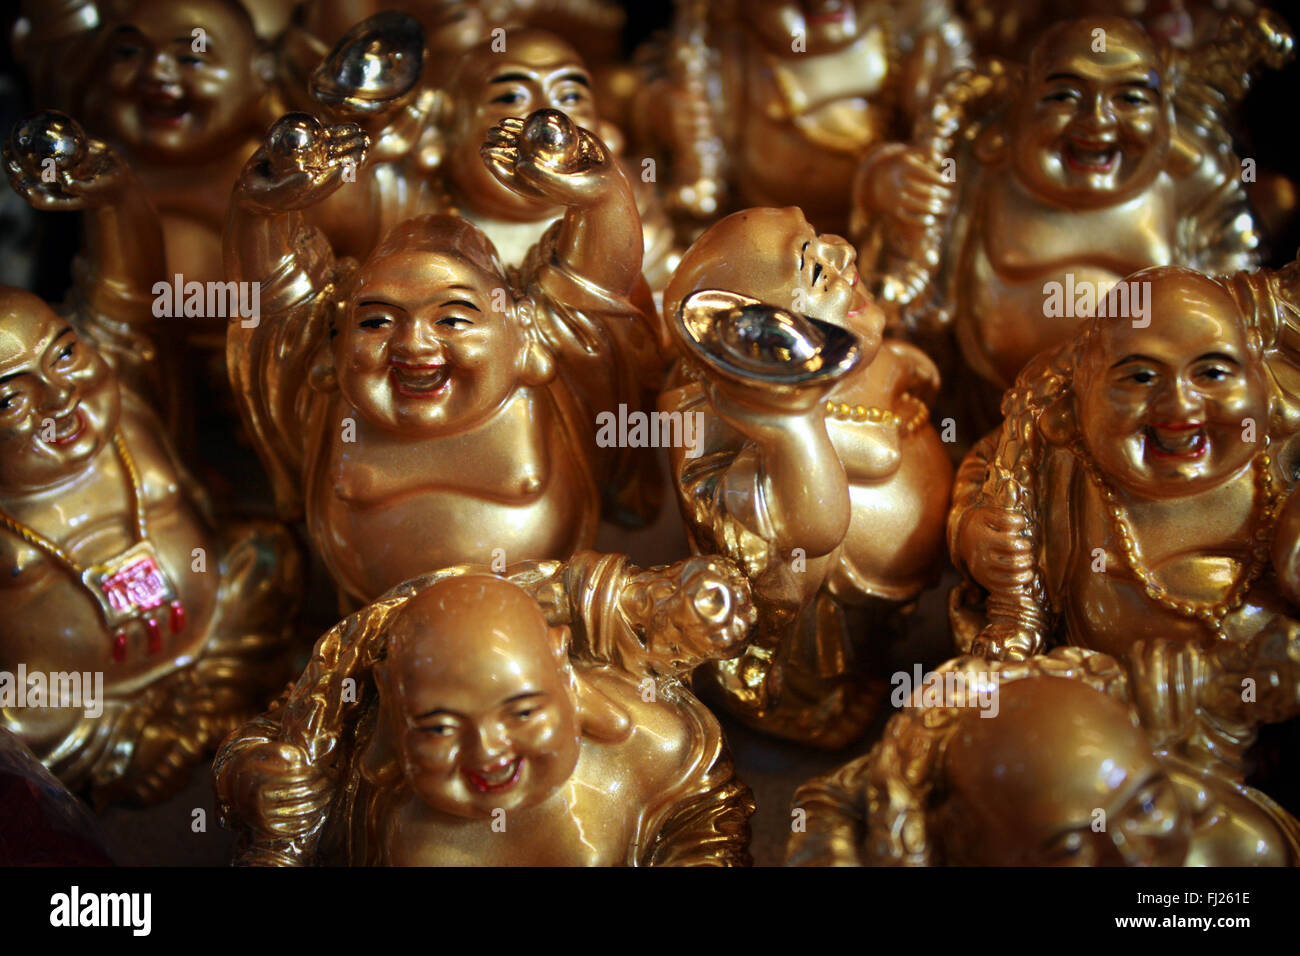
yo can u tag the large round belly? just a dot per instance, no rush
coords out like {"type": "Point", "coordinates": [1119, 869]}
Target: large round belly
{"type": "Point", "coordinates": [896, 535]}
{"type": "Point", "coordinates": [53, 623]}
{"type": "Point", "coordinates": [370, 550]}
{"type": "Point", "coordinates": [1007, 322]}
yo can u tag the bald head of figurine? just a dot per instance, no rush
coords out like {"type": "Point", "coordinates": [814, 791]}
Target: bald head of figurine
{"type": "Point", "coordinates": [1091, 126]}
{"type": "Point", "coordinates": [486, 708]}
{"type": "Point", "coordinates": [183, 78]}
{"type": "Point", "coordinates": [775, 256]}
{"type": "Point", "coordinates": [1062, 776]}
{"type": "Point", "coordinates": [59, 401]}
{"type": "Point", "coordinates": [432, 342]}
{"type": "Point", "coordinates": [1175, 401]}
{"type": "Point", "coordinates": [525, 71]}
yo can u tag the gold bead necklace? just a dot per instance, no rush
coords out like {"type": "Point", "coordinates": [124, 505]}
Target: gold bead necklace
{"type": "Point", "coordinates": [127, 587]}
{"type": "Point", "coordinates": [1211, 614]}
{"type": "Point", "coordinates": [844, 412]}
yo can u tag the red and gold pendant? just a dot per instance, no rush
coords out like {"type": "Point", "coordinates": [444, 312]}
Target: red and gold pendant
{"type": "Point", "coordinates": [133, 586]}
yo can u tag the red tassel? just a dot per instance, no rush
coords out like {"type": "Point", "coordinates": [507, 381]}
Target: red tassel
{"type": "Point", "coordinates": [155, 635]}
{"type": "Point", "coordinates": [177, 617]}
{"type": "Point", "coordinates": [119, 646]}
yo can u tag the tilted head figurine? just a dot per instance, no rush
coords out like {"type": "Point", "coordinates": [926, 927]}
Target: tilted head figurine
{"type": "Point", "coordinates": [1173, 426]}
{"type": "Point", "coordinates": [59, 402]}
{"type": "Point", "coordinates": [1060, 772]}
{"type": "Point", "coordinates": [819, 473]}
{"type": "Point", "coordinates": [114, 570]}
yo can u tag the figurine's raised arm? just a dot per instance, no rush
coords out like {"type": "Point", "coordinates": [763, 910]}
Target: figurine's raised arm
{"type": "Point", "coordinates": [53, 164]}
{"type": "Point", "coordinates": [56, 166]}
{"type": "Point", "coordinates": [268, 242]}
{"type": "Point", "coordinates": [548, 157]}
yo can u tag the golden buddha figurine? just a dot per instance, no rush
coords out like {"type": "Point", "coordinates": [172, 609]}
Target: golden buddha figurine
{"type": "Point", "coordinates": [539, 717]}
{"type": "Point", "coordinates": [1028, 189]}
{"type": "Point", "coordinates": [429, 408]}
{"type": "Point", "coordinates": [112, 568]}
{"type": "Point", "coordinates": [775, 102]}
{"type": "Point", "coordinates": [182, 91]}
{"type": "Point", "coordinates": [176, 86]}
{"type": "Point", "coordinates": [818, 473]}
{"type": "Point", "coordinates": [1078, 765]}
{"type": "Point", "coordinates": [1139, 488]}
{"type": "Point", "coordinates": [426, 142]}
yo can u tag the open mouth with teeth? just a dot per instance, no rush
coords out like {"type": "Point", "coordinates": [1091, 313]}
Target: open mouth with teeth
{"type": "Point", "coordinates": [1186, 440]}
{"type": "Point", "coordinates": [501, 775]}
{"type": "Point", "coordinates": [160, 108]}
{"type": "Point", "coordinates": [68, 428]}
{"type": "Point", "coordinates": [1091, 157]}
{"type": "Point", "coordinates": [419, 381]}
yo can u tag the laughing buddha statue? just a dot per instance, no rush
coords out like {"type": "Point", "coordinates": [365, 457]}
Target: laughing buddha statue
{"type": "Point", "coordinates": [429, 407]}
{"type": "Point", "coordinates": [541, 717]}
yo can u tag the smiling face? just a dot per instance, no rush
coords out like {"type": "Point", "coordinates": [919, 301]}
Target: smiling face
{"type": "Point", "coordinates": [1025, 787]}
{"type": "Point", "coordinates": [423, 351]}
{"type": "Point", "coordinates": [775, 256]}
{"type": "Point", "coordinates": [1091, 129]}
{"type": "Point", "coordinates": [824, 25]}
{"type": "Point", "coordinates": [1164, 410]}
{"type": "Point", "coordinates": [478, 692]}
{"type": "Point", "coordinates": [538, 70]}
{"type": "Point", "coordinates": [167, 100]}
{"type": "Point", "coordinates": [59, 401]}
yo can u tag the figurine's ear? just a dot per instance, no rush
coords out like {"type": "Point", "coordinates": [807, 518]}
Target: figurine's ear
{"type": "Point", "coordinates": [1059, 422]}
{"type": "Point", "coordinates": [537, 364]}
{"type": "Point", "coordinates": [991, 143]}
{"type": "Point", "coordinates": [322, 375]}
{"type": "Point", "coordinates": [431, 147]}
{"type": "Point", "coordinates": [611, 136]}
{"type": "Point", "coordinates": [263, 67]}
{"type": "Point", "coordinates": [561, 638]}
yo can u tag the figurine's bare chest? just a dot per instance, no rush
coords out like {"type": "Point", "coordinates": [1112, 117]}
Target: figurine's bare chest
{"type": "Point", "coordinates": [1194, 549]}
{"type": "Point", "coordinates": [508, 459]}
{"type": "Point", "coordinates": [383, 511]}
{"type": "Point", "coordinates": [90, 520]}
{"type": "Point", "coordinates": [1026, 240]}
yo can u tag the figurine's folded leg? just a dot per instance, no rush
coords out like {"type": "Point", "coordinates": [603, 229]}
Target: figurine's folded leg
{"type": "Point", "coordinates": [709, 828]}
{"type": "Point", "coordinates": [830, 818]}
{"type": "Point", "coordinates": [139, 750]}
{"type": "Point", "coordinates": [246, 660]}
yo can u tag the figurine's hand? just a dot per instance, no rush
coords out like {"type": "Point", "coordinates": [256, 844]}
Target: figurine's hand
{"type": "Point", "coordinates": [766, 419]}
{"type": "Point", "coordinates": [909, 189]}
{"type": "Point", "coordinates": [56, 166]}
{"type": "Point", "coordinates": [698, 609]}
{"type": "Point", "coordinates": [998, 556]}
{"type": "Point", "coordinates": [549, 158]}
{"type": "Point", "coordinates": [1258, 682]}
{"type": "Point", "coordinates": [276, 791]}
{"type": "Point", "coordinates": [302, 162]}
